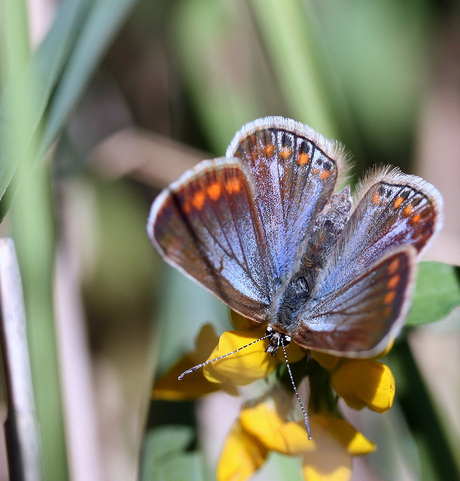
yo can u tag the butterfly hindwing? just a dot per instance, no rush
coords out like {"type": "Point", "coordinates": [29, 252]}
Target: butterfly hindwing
{"type": "Point", "coordinates": [392, 209]}
{"type": "Point", "coordinates": [395, 213]}
{"type": "Point", "coordinates": [360, 318]}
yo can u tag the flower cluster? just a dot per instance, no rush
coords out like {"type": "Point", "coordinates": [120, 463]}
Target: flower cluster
{"type": "Point", "coordinates": [268, 425]}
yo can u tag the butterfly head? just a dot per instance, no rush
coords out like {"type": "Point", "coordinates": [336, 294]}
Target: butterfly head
{"type": "Point", "coordinates": [275, 340]}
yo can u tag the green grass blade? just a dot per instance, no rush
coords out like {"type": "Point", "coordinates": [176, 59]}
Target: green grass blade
{"type": "Point", "coordinates": [41, 73]}
{"type": "Point", "coordinates": [63, 64]}
{"type": "Point", "coordinates": [224, 99]}
{"type": "Point", "coordinates": [33, 231]}
{"type": "Point", "coordinates": [50, 59]}
{"type": "Point", "coordinates": [286, 28]}
{"type": "Point", "coordinates": [100, 26]}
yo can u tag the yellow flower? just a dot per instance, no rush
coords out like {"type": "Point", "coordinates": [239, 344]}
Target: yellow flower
{"type": "Point", "coordinates": [249, 364]}
{"type": "Point", "coordinates": [360, 382]}
{"type": "Point", "coordinates": [263, 428]}
{"type": "Point", "coordinates": [242, 367]}
{"type": "Point", "coordinates": [328, 456]}
{"type": "Point", "coordinates": [194, 385]}
{"type": "Point", "coordinates": [242, 456]}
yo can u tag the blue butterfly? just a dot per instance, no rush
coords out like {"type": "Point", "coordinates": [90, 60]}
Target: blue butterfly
{"type": "Point", "coordinates": [266, 231]}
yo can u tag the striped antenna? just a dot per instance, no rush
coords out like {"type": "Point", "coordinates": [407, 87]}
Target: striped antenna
{"type": "Point", "coordinates": [302, 407]}
{"type": "Point", "coordinates": [280, 339]}
{"type": "Point", "coordinates": [203, 364]}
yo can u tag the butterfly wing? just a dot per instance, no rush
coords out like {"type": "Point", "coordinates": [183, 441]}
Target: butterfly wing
{"type": "Point", "coordinates": [360, 319]}
{"type": "Point", "coordinates": [235, 224]}
{"type": "Point", "coordinates": [393, 209]}
{"type": "Point", "coordinates": [293, 171]}
{"type": "Point", "coordinates": [393, 223]}
{"type": "Point", "coordinates": [205, 225]}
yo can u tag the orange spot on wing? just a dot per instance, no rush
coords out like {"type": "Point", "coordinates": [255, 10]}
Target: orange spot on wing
{"type": "Point", "coordinates": [325, 174]}
{"type": "Point", "coordinates": [393, 282]}
{"type": "Point", "coordinates": [376, 198]}
{"type": "Point", "coordinates": [389, 297]}
{"type": "Point", "coordinates": [408, 210]}
{"type": "Point", "coordinates": [233, 185]}
{"type": "Point", "coordinates": [269, 150]}
{"type": "Point", "coordinates": [394, 265]}
{"type": "Point", "coordinates": [398, 202]}
{"type": "Point", "coordinates": [214, 191]}
{"type": "Point", "coordinates": [198, 200]}
{"type": "Point", "coordinates": [303, 159]}
{"type": "Point", "coordinates": [285, 153]}
{"type": "Point", "coordinates": [416, 218]}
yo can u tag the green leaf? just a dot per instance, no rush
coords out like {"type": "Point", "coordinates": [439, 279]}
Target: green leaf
{"type": "Point", "coordinates": [164, 456]}
{"type": "Point", "coordinates": [437, 293]}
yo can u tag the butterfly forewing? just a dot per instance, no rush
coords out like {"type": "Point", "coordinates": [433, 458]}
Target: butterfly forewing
{"type": "Point", "coordinates": [359, 319]}
{"type": "Point", "coordinates": [293, 172]}
{"type": "Point", "coordinates": [205, 224]}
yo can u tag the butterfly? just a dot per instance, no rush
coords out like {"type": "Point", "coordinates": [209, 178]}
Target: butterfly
{"type": "Point", "coordinates": [267, 230]}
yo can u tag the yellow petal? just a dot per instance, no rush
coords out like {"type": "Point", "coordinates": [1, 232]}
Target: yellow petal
{"type": "Point", "coordinates": [274, 432]}
{"type": "Point", "coordinates": [386, 350]}
{"type": "Point", "coordinates": [328, 465]}
{"type": "Point", "coordinates": [364, 382]}
{"type": "Point", "coordinates": [337, 442]}
{"type": "Point", "coordinates": [242, 323]}
{"type": "Point", "coordinates": [241, 456]}
{"type": "Point", "coordinates": [354, 442]}
{"type": "Point", "coordinates": [288, 437]}
{"type": "Point", "coordinates": [193, 385]}
{"type": "Point", "coordinates": [205, 342]}
{"type": "Point", "coordinates": [242, 367]}
{"type": "Point", "coordinates": [294, 353]}
{"type": "Point", "coordinates": [328, 361]}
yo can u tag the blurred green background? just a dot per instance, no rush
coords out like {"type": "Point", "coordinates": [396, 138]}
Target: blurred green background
{"type": "Point", "coordinates": [107, 101]}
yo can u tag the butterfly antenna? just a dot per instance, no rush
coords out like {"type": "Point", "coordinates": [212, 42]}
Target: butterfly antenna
{"type": "Point", "coordinates": [203, 364]}
{"type": "Point", "coordinates": [302, 407]}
